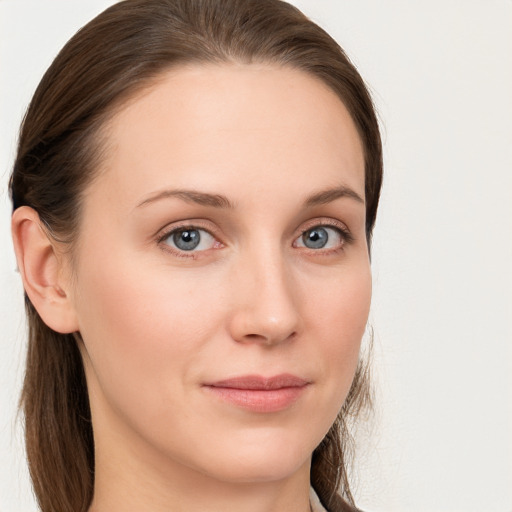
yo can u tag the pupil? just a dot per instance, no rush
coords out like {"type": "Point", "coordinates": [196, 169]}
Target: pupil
{"type": "Point", "coordinates": [315, 238]}
{"type": "Point", "coordinates": [187, 240]}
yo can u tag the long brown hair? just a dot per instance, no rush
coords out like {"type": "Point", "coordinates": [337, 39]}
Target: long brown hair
{"type": "Point", "coordinates": [108, 61]}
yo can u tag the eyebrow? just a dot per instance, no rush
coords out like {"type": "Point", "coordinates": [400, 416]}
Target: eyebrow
{"type": "Point", "coordinates": [331, 194]}
{"type": "Point", "coordinates": [221, 201]}
{"type": "Point", "coordinates": [191, 196]}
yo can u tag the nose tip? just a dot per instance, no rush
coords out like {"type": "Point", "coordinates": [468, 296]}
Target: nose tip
{"type": "Point", "coordinates": [253, 327]}
{"type": "Point", "coordinates": [266, 311]}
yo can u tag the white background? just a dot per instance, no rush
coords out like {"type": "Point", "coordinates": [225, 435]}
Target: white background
{"type": "Point", "coordinates": [441, 75]}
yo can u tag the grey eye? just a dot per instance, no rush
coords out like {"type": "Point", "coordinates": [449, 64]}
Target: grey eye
{"type": "Point", "coordinates": [323, 237]}
{"type": "Point", "coordinates": [315, 238]}
{"type": "Point", "coordinates": [187, 239]}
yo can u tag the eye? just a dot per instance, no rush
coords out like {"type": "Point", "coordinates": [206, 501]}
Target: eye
{"type": "Point", "coordinates": [322, 237]}
{"type": "Point", "coordinates": [189, 239]}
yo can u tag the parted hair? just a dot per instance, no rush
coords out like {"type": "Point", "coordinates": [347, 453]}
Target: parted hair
{"type": "Point", "coordinates": [118, 54]}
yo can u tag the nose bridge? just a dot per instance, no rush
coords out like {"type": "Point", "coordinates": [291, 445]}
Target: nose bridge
{"type": "Point", "coordinates": [266, 308]}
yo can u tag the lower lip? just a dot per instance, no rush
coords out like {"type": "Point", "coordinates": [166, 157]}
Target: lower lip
{"type": "Point", "coordinates": [259, 400]}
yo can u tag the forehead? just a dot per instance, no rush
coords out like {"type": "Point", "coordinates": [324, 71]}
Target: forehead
{"type": "Point", "coordinates": [240, 126]}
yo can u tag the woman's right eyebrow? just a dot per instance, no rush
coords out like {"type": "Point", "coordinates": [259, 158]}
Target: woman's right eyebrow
{"type": "Point", "coordinates": [190, 196]}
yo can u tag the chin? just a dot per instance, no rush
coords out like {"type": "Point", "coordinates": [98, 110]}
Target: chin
{"type": "Point", "coordinates": [261, 459]}
{"type": "Point", "coordinates": [262, 469]}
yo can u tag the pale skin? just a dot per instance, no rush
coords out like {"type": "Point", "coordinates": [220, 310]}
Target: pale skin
{"type": "Point", "coordinates": [255, 160]}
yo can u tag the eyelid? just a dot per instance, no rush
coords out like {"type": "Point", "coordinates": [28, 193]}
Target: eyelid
{"type": "Point", "coordinates": [187, 224]}
{"type": "Point", "coordinates": [327, 222]}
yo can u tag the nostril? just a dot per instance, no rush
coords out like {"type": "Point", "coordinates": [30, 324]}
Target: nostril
{"type": "Point", "coordinates": [258, 338]}
{"type": "Point", "coordinates": [270, 339]}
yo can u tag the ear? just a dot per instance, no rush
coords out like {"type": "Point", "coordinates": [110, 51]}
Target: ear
{"type": "Point", "coordinates": [41, 268]}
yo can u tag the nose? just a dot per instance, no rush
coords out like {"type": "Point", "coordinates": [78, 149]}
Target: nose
{"type": "Point", "coordinates": [266, 310]}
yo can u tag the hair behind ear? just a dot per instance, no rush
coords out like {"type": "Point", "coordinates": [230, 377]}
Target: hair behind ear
{"type": "Point", "coordinates": [58, 425]}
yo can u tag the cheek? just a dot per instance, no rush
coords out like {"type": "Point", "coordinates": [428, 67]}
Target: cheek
{"type": "Point", "coordinates": [340, 306]}
{"type": "Point", "coordinates": [141, 331]}
{"type": "Point", "coordinates": [338, 315]}
{"type": "Point", "coordinates": [136, 303]}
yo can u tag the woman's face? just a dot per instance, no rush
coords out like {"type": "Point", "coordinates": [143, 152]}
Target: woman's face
{"type": "Point", "coordinates": [222, 281]}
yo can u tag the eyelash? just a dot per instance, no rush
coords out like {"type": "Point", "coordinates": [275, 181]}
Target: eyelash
{"type": "Point", "coordinates": [344, 233]}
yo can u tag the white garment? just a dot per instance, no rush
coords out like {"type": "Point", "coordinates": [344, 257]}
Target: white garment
{"type": "Point", "coordinates": [316, 506]}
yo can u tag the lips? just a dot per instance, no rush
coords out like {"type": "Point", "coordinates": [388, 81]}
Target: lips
{"type": "Point", "coordinates": [260, 394]}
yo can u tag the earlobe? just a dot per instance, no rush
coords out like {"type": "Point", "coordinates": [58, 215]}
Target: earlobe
{"type": "Point", "coordinates": [41, 270]}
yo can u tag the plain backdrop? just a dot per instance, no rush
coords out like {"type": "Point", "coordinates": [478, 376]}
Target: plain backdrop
{"type": "Point", "coordinates": [441, 76]}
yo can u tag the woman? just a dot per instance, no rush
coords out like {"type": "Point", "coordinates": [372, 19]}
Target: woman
{"type": "Point", "coordinates": [194, 196]}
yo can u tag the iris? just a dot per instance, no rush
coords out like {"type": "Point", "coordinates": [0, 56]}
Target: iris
{"type": "Point", "coordinates": [315, 238]}
{"type": "Point", "coordinates": [187, 240]}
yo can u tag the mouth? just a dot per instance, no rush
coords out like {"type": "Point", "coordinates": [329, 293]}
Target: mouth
{"type": "Point", "coordinates": [260, 394]}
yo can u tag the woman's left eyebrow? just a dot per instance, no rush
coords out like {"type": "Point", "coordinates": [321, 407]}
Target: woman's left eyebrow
{"type": "Point", "coordinates": [331, 194]}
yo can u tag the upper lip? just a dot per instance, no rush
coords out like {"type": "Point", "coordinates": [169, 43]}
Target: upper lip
{"type": "Point", "coordinates": [260, 383]}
